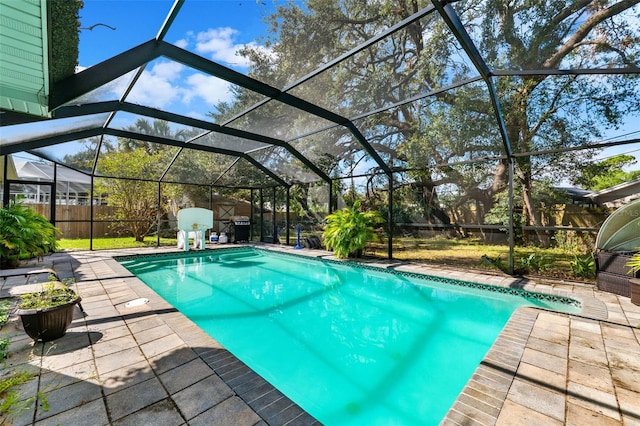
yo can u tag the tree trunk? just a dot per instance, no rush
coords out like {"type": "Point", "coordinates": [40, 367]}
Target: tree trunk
{"type": "Point", "coordinates": [429, 198]}
{"type": "Point", "coordinates": [531, 213]}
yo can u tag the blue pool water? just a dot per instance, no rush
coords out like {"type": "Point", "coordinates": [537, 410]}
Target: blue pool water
{"type": "Point", "coordinates": [349, 345]}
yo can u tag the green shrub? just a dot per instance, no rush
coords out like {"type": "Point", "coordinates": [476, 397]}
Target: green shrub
{"type": "Point", "coordinates": [535, 263]}
{"type": "Point", "coordinates": [496, 262]}
{"type": "Point", "coordinates": [583, 266]}
{"type": "Point", "coordinates": [4, 317]}
{"type": "Point", "coordinates": [634, 263]}
{"type": "Point", "coordinates": [5, 306]}
{"type": "Point", "coordinates": [24, 232]}
{"type": "Point", "coordinates": [348, 230]}
{"type": "Point", "coordinates": [4, 347]}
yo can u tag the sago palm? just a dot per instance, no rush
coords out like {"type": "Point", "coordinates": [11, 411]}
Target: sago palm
{"type": "Point", "coordinates": [25, 232]}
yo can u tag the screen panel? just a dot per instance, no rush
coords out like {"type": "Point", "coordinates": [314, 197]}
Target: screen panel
{"type": "Point", "coordinates": [197, 167]}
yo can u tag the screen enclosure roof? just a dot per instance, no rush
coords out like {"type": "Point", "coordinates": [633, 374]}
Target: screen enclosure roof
{"type": "Point", "coordinates": [333, 115]}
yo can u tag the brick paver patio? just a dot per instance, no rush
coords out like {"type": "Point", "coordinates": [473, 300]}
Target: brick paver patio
{"type": "Point", "coordinates": [149, 364]}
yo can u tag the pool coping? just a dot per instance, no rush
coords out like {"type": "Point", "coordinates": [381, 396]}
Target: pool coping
{"type": "Point", "coordinates": [494, 392]}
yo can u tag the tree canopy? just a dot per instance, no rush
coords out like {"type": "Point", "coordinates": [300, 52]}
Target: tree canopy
{"type": "Point", "coordinates": [136, 201]}
{"type": "Point", "coordinates": [607, 173]}
{"type": "Point", "coordinates": [450, 138]}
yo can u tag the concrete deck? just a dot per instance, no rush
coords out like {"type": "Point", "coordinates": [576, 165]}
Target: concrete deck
{"type": "Point", "coordinates": [149, 364]}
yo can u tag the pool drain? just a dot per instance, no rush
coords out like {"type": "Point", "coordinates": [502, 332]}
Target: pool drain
{"type": "Point", "coordinates": [136, 302]}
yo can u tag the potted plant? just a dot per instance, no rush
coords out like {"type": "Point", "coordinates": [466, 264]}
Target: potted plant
{"type": "Point", "coordinates": [634, 283]}
{"type": "Point", "coordinates": [24, 233]}
{"type": "Point", "coordinates": [47, 314]}
{"type": "Point", "coordinates": [348, 230]}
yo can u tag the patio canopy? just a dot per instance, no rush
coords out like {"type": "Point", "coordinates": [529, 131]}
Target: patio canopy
{"type": "Point", "coordinates": [620, 232]}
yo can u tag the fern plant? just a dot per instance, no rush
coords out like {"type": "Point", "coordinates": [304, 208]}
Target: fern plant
{"type": "Point", "coordinates": [348, 230]}
{"type": "Point", "coordinates": [495, 262]}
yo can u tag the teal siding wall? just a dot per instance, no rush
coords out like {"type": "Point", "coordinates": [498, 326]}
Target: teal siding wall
{"type": "Point", "coordinates": [24, 76]}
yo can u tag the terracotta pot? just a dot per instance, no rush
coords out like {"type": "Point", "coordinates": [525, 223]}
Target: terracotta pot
{"type": "Point", "coordinates": [47, 324]}
{"type": "Point", "coordinates": [634, 285]}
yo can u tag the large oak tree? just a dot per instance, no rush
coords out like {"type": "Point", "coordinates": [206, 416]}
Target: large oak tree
{"type": "Point", "coordinates": [436, 139]}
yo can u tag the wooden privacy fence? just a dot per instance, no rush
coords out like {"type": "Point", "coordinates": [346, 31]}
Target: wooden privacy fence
{"type": "Point", "coordinates": [75, 221]}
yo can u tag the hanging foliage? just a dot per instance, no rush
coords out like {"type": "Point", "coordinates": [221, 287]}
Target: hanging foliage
{"type": "Point", "coordinates": [64, 24]}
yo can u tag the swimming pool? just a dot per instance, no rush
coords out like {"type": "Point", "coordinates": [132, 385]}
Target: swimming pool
{"type": "Point", "coordinates": [349, 344]}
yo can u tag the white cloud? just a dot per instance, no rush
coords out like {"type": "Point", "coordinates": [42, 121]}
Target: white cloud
{"type": "Point", "coordinates": [165, 83]}
{"type": "Point", "coordinates": [183, 43]}
{"type": "Point", "coordinates": [220, 45]}
{"type": "Point", "coordinates": [211, 89]}
{"type": "Point", "coordinates": [157, 86]}
{"type": "Point", "coordinates": [168, 70]}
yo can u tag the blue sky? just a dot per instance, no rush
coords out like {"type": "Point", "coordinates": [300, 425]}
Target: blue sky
{"type": "Point", "coordinates": [137, 21]}
{"type": "Point", "coordinates": [215, 29]}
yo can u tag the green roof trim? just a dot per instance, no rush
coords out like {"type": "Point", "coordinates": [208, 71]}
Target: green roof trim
{"type": "Point", "coordinates": [24, 58]}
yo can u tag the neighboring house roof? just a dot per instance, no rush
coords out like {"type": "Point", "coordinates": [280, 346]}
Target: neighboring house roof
{"type": "Point", "coordinates": [614, 196]}
{"type": "Point", "coordinates": [618, 194]}
{"type": "Point", "coordinates": [577, 194]}
{"type": "Point", "coordinates": [44, 171]}
{"type": "Point", "coordinates": [68, 180]}
{"type": "Point", "coordinates": [11, 168]}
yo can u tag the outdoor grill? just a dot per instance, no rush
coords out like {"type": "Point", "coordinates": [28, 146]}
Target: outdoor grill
{"type": "Point", "coordinates": [240, 226]}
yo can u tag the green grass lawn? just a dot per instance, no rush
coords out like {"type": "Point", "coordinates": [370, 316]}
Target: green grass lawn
{"type": "Point", "coordinates": [113, 243]}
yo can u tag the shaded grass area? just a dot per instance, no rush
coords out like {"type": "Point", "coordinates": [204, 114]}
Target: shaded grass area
{"type": "Point", "coordinates": [469, 253]}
